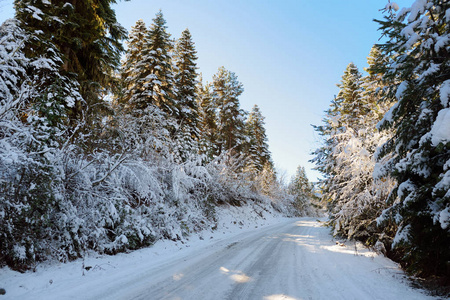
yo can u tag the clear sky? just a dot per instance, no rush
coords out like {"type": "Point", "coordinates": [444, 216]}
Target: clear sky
{"type": "Point", "coordinates": [289, 54]}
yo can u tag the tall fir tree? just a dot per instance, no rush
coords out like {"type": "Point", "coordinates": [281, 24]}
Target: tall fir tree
{"type": "Point", "coordinates": [340, 123]}
{"type": "Point", "coordinates": [160, 86]}
{"type": "Point", "coordinates": [351, 105]}
{"type": "Point", "coordinates": [226, 92]}
{"type": "Point", "coordinates": [185, 82]}
{"type": "Point", "coordinates": [146, 110]}
{"type": "Point", "coordinates": [256, 148]}
{"type": "Point", "coordinates": [207, 120]}
{"type": "Point", "coordinates": [419, 72]}
{"type": "Point", "coordinates": [135, 69]}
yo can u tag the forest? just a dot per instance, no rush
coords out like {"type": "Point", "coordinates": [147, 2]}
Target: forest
{"type": "Point", "coordinates": [111, 140]}
{"type": "Point", "coordinates": [109, 150]}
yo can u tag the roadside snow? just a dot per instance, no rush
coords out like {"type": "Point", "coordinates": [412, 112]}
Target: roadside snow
{"type": "Point", "coordinates": [52, 280]}
{"type": "Point", "coordinates": [440, 132]}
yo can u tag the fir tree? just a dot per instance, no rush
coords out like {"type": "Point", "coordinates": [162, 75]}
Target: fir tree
{"type": "Point", "coordinates": [301, 188]}
{"type": "Point", "coordinates": [418, 69]}
{"type": "Point", "coordinates": [135, 68]}
{"type": "Point", "coordinates": [148, 103]}
{"type": "Point", "coordinates": [227, 89]}
{"type": "Point", "coordinates": [256, 147]}
{"type": "Point", "coordinates": [159, 87]}
{"type": "Point", "coordinates": [185, 83]}
{"type": "Point", "coordinates": [355, 199]}
{"type": "Point", "coordinates": [207, 120]}
{"type": "Point", "coordinates": [349, 98]}
{"type": "Point", "coordinates": [88, 36]}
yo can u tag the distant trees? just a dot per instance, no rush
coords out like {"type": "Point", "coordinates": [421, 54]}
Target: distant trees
{"type": "Point", "coordinates": [302, 189]}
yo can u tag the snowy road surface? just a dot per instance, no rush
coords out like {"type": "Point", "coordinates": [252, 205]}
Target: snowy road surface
{"type": "Point", "coordinates": [295, 259]}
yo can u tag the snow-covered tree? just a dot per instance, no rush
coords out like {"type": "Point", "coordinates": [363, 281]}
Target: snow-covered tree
{"type": "Point", "coordinates": [135, 69]}
{"type": "Point", "coordinates": [146, 105]}
{"type": "Point", "coordinates": [256, 148]}
{"type": "Point", "coordinates": [340, 124]}
{"type": "Point", "coordinates": [185, 82]}
{"type": "Point", "coordinates": [351, 104]}
{"type": "Point", "coordinates": [347, 159]}
{"type": "Point", "coordinates": [301, 188]}
{"type": "Point", "coordinates": [88, 37]}
{"type": "Point", "coordinates": [207, 120]}
{"type": "Point", "coordinates": [226, 92]}
{"type": "Point", "coordinates": [418, 68]}
{"type": "Point", "coordinates": [160, 85]}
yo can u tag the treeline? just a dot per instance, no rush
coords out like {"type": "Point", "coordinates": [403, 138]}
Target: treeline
{"type": "Point", "coordinates": [103, 155]}
{"type": "Point", "coordinates": [386, 151]}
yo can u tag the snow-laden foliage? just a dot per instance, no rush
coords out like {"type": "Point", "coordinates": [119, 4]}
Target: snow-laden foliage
{"type": "Point", "coordinates": [355, 196]}
{"type": "Point", "coordinates": [34, 100]}
{"type": "Point", "coordinates": [419, 151]}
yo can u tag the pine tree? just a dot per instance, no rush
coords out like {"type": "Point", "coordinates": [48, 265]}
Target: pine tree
{"type": "Point", "coordinates": [301, 188]}
{"type": "Point", "coordinates": [256, 147]}
{"type": "Point", "coordinates": [185, 83]}
{"type": "Point", "coordinates": [418, 70]}
{"type": "Point", "coordinates": [340, 124]}
{"type": "Point", "coordinates": [349, 98]}
{"type": "Point", "coordinates": [226, 90]}
{"type": "Point", "coordinates": [160, 85]}
{"type": "Point", "coordinates": [148, 98]}
{"type": "Point", "coordinates": [88, 36]}
{"type": "Point", "coordinates": [135, 69]}
{"type": "Point", "coordinates": [355, 199]}
{"type": "Point", "coordinates": [207, 120]}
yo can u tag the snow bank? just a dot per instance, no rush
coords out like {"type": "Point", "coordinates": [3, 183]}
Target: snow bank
{"type": "Point", "coordinates": [440, 132]}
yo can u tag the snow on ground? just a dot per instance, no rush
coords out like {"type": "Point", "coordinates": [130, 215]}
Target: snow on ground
{"type": "Point", "coordinates": [50, 279]}
{"type": "Point", "coordinates": [271, 258]}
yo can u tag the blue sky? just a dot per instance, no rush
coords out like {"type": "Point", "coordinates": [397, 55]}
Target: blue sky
{"type": "Point", "coordinates": [289, 54]}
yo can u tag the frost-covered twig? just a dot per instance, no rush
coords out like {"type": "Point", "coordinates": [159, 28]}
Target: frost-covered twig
{"type": "Point", "coordinates": [121, 159]}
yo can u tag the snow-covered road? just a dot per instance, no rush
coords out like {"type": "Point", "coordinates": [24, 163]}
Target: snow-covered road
{"type": "Point", "coordinates": [294, 259]}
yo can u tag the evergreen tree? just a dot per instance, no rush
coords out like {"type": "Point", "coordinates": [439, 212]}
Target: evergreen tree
{"type": "Point", "coordinates": [185, 83]}
{"type": "Point", "coordinates": [340, 125]}
{"type": "Point", "coordinates": [88, 36]}
{"type": "Point", "coordinates": [160, 86]}
{"type": "Point", "coordinates": [148, 100]}
{"type": "Point", "coordinates": [135, 69]}
{"type": "Point", "coordinates": [207, 120]}
{"type": "Point", "coordinates": [226, 90]}
{"type": "Point", "coordinates": [347, 159]}
{"type": "Point", "coordinates": [256, 147]}
{"type": "Point", "coordinates": [349, 98]}
{"type": "Point", "coordinates": [301, 188]}
{"type": "Point", "coordinates": [418, 70]}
